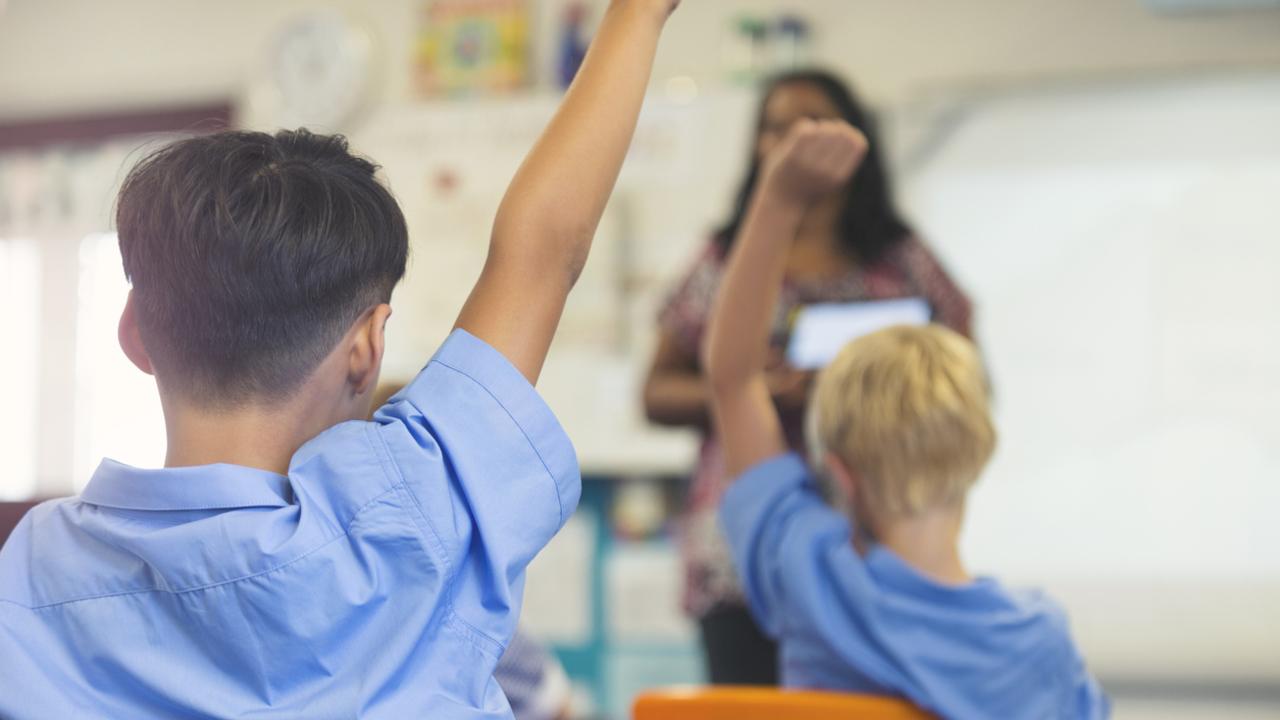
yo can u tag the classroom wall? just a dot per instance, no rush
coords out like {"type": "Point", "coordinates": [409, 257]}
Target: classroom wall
{"type": "Point", "coordinates": [98, 55]}
{"type": "Point", "coordinates": [142, 53]}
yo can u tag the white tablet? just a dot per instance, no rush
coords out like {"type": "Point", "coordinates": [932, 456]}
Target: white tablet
{"type": "Point", "coordinates": [821, 331]}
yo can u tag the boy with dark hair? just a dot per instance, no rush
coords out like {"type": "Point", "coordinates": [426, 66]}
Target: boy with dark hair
{"type": "Point", "coordinates": [292, 559]}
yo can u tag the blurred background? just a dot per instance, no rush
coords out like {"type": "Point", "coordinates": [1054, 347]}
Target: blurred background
{"type": "Point", "coordinates": [1101, 176]}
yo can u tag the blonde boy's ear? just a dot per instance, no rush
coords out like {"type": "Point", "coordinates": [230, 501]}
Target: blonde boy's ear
{"type": "Point", "coordinates": [847, 483]}
{"type": "Point", "coordinates": [843, 479]}
{"type": "Point", "coordinates": [130, 337]}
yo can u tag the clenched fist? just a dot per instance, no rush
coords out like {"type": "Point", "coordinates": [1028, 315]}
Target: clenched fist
{"type": "Point", "coordinates": [815, 158]}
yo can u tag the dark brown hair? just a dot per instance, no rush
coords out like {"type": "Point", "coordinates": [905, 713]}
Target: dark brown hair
{"type": "Point", "coordinates": [870, 222]}
{"type": "Point", "coordinates": [250, 255]}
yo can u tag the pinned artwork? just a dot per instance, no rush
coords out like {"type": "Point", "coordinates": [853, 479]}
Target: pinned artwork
{"type": "Point", "coordinates": [469, 47]}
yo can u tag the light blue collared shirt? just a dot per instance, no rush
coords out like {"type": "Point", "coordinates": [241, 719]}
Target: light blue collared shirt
{"type": "Point", "coordinates": [381, 578]}
{"type": "Point", "coordinates": [872, 624]}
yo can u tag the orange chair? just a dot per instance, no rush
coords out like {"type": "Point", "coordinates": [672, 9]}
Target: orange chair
{"type": "Point", "coordinates": [761, 703]}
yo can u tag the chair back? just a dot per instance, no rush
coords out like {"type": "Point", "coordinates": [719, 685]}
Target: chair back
{"type": "Point", "coordinates": [761, 703]}
{"type": "Point", "coordinates": [10, 514]}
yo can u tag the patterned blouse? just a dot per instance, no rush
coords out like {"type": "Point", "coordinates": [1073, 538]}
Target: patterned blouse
{"type": "Point", "coordinates": [908, 269]}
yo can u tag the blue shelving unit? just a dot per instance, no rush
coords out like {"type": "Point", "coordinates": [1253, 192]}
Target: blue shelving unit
{"type": "Point", "coordinates": [613, 669]}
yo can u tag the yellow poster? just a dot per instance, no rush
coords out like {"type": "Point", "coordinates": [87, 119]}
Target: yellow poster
{"type": "Point", "coordinates": [472, 46]}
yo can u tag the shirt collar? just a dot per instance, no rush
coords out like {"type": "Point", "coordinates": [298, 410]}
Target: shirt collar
{"type": "Point", "coordinates": [202, 487]}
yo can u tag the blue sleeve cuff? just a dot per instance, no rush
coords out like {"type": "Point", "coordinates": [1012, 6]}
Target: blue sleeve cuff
{"type": "Point", "coordinates": [468, 355]}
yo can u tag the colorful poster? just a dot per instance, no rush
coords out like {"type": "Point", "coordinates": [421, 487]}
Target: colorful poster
{"type": "Point", "coordinates": [472, 46]}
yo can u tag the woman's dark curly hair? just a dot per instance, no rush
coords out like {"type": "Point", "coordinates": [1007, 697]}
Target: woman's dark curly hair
{"type": "Point", "coordinates": [869, 223]}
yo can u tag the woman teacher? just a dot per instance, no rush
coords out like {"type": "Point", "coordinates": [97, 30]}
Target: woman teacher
{"type": "Point", "coordinates": [852, 246]}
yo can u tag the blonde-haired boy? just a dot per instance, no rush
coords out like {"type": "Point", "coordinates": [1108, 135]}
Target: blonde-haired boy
{"type": "Point", "coordinates": [878, 602]}
{"type": "Point", "coordinates": [910, 404]}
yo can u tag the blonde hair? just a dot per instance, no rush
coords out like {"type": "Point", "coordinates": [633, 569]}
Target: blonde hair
{"type": "Point", "coordinates": [906, 408]}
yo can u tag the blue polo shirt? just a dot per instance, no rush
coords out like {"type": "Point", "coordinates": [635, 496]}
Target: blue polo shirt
{"type": "Point", "coordinates": [380, 578]}
{"type": "Point", "coordinates": [872, 624]}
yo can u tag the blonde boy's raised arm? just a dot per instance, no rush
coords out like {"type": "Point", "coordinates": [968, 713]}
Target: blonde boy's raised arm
{"type": "Point", "coordinates": [816, 158]}
{"type": "Point", "coordinates": [548, 217]}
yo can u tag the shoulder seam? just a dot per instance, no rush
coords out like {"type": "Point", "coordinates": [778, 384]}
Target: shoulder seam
{"type": "Point", "coordinates": [398, 481]}
{"type": "Point", "coordinates": [453, 615]}
{"type": "Point", "coordinates": [532, 445]}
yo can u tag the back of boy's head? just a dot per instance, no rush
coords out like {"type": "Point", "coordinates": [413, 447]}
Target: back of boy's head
{"type": "Point", "coordinates": [250, 256]}
{"type": "Point", "coordinates": [906, 409]}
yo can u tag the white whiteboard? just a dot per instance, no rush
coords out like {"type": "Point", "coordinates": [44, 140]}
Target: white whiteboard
{"type": "Point", "coordinates": [1123, 245]}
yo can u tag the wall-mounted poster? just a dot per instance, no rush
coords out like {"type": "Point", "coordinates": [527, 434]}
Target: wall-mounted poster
{"type": "Point", "coordinates": [472, 46]}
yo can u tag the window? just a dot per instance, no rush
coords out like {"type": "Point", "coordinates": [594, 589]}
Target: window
{"type": "Point", "coordinates": [117, 409]}
{"type": "Point", "coordinates": [19, 365]}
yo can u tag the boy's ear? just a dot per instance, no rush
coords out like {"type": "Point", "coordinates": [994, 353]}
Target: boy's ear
{"type": "Point", "coordinates": [844, 478]}
{"type": "Point", "coordinates": [368, 343]}
{"type": "Point", "coordinates": [849, 483]}
{"type": "Point", "coordinates": [130, 337]}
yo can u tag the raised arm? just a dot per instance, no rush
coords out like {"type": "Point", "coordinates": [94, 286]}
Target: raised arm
{"type": "Point", "coordinates": [545, 224]}
{"type": "Point", "coordinates": [814, 159]}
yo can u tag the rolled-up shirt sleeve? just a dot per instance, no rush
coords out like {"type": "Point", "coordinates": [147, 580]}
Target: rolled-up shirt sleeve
{"type": "Point", "coordinates": [490, 469]}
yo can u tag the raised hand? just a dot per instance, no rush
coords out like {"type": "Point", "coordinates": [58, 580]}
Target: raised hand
{"type": "Point", "coordinates": [666, 7]}
{"type": "Point", "coordinates": [659, 9]}
{"type": "Point", "coordinates": [546, 221]}
{"type": "Point", "coordinates": [815, 158]}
